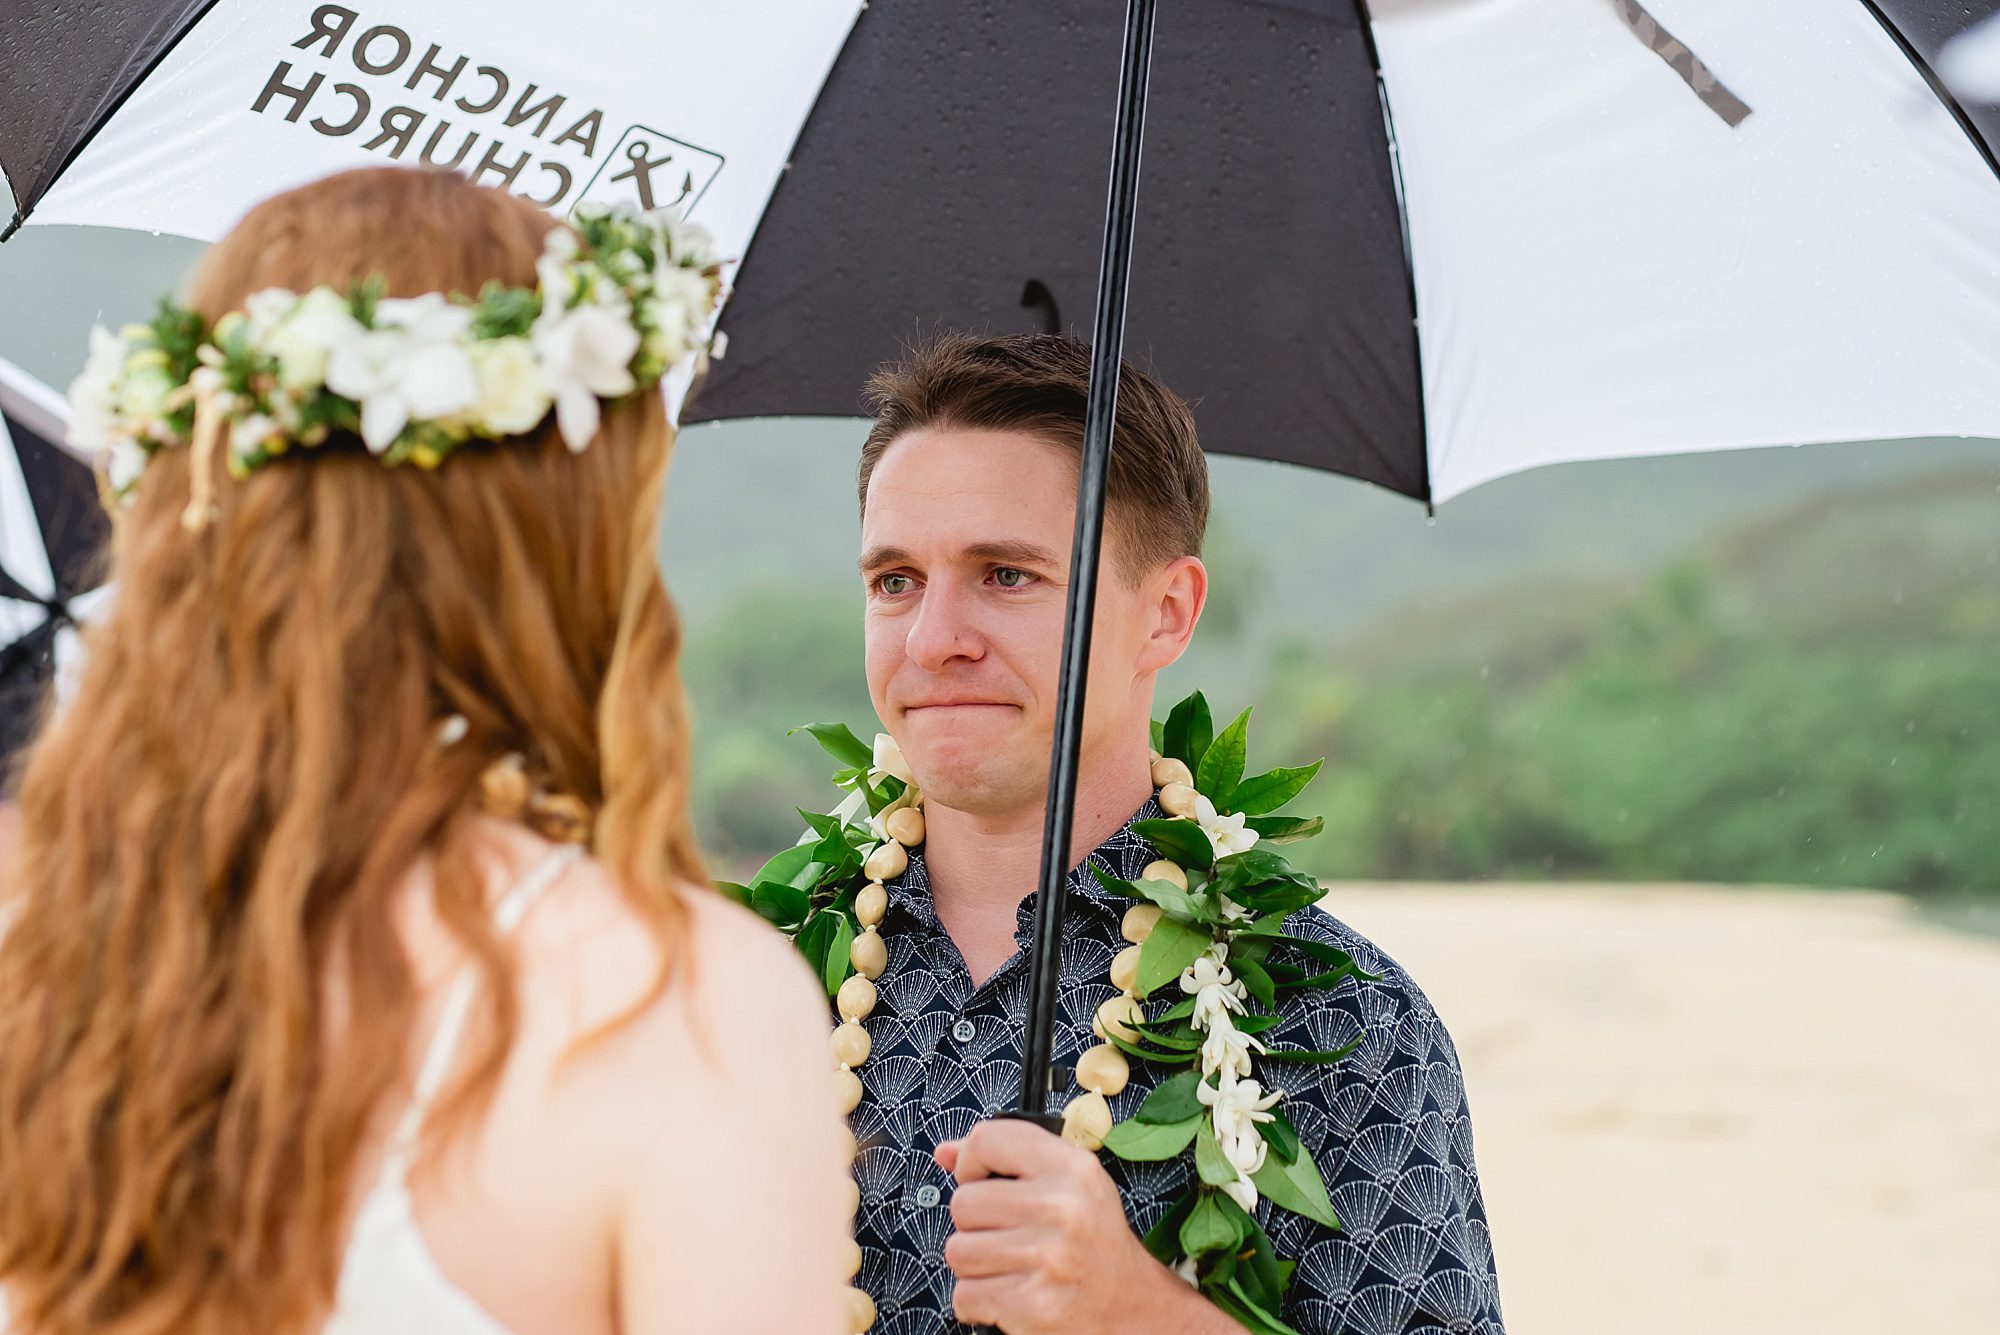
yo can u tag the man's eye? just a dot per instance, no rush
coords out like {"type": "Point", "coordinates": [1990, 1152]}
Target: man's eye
{"type": "Point", "coordinates": [892, 584]}
{"type": "Point", "coordinates": [1009, 578]}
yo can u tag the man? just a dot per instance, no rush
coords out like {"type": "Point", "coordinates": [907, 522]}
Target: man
{"type": "Point", "coordinates": [968, 485]}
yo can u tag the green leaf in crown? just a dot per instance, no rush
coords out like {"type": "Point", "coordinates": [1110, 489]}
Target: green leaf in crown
{"type": "Point", "coordinates": [1208, 966]}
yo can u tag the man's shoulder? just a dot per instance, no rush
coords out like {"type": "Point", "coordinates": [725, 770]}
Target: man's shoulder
{"type": "Point", "coordinates": [1378, 1009]}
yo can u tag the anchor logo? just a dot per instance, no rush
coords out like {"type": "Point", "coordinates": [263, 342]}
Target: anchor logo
{"type": "Point", "coordinates": [654, 171]}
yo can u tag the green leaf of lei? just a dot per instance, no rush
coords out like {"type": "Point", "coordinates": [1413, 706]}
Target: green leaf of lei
{"type": "Point", "coordinates": [1173, 1102]}
{"type": "Point", "coordinates": [1285, 829]}
{"type": "Point", "coordinates": [839, 741]}
{"type": "Point", "coordinates": [1296, 1186]}
{"type": "Point", "coordinates": [1209, 1228]}
{"type": "Point", "coordinates": [1209, 1163]}
{"type": "Point", "coordinates": [1222, 765]}
{"type": "Point", "coordinates": [1146, 1142]}
{"type": "Point", "coordinates": [1269, 791]}
{"type": "Point", "coordinates": [1188, 731]}
{"type": "Point", "coordinates": [1178, 841]}
{"type": "Point", "coordinates": [1168, 952]}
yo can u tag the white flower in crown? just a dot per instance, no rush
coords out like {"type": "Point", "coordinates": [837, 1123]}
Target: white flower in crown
{"type": "Point", "coordinates": [124, 464]}
{"type": "Point", "coordinates": [513, 392]}
{"type": "Point", "coordinates": [411, 365]}
{"type": "Point", "coordinates": [307, 335]}
{"type": "Point", "coordinates": [1227, 833]}
{"type": "Point", "coordinates": [96, 422]}
{"type": "Point", "coordinates": [142, 394]}
{"type": "Point", "coordinates": [586, 353]}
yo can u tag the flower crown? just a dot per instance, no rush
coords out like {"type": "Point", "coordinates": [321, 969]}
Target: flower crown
{"type": "Point", "coordinates": [618, 302]}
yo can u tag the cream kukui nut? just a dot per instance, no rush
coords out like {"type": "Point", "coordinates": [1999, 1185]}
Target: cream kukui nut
{"type": "Point", "coordinates": [1163, 870]}
{"type": "Point", "coordinates": [1103, 1070]}
{"type": "Point", "coordinates": [853, 1258]}
{"type": "Point", "coordinates": [870, 904]}
{"type": "Point", "coordinates": [1087, 1121]}
{"type": "Point", "coordinates": [857, 998]}
{"type": "Point", "coordinates": [1178, 799]}
{"type": "Point", "coordinates": [886, 863]}
{"type": "Point", "coordinates": [869, 955]}
{"type": "Point", "coordinates": [860, 1311]}
{"type": "Point", "coordinates": [1139, 922]}
{"type": "Point", "coordinates": [906, 827]}
{"type": "Point", "coordinates": [1168, 770]}
{"type": "Point", "coordinates": [1125, 969]}
{"type": "Point", "coordinates": [851, 1044]}
{"type": "Point", "coordinates": [1116, 1017]}
{"type": "Point", "coordinates": [846, 1091]}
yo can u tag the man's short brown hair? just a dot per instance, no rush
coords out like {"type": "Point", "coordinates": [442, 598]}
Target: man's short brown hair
{"type": "Point", "coordinates": [1157, 485]}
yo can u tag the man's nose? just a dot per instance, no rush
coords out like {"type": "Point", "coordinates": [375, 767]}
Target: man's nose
{"type": "Point", "coordinates": [944, 631]}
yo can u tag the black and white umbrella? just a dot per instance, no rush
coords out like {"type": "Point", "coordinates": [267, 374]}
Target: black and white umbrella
{"type": "Point", "coordinates": [51, 528]}
{"type": "Point", "coordinates": [1426, 243]}
{"type": "Point", "coordinates": [1421, 242]}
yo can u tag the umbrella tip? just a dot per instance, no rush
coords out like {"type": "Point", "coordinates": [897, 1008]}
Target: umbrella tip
{"type": "Point", "coordinates": [13, 226]}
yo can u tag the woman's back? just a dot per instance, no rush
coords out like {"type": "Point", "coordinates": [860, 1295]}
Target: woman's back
{"type": "Point", "coordinates": [627, 1185]}
{"type": "Point", "coordinates": [386, 492]}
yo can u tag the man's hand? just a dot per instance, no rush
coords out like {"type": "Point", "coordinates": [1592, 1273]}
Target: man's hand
{"type": "Point", "coordinates": [1042, 1245]}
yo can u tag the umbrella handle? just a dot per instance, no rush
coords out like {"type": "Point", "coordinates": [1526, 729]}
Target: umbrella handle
{"type": "Point", "coordinates": [1047, 1121]}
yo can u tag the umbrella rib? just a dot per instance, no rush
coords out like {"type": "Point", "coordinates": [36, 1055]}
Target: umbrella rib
{"type": "Point", "coordinates": [1937, 85]}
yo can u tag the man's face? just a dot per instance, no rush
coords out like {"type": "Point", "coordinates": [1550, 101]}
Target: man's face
{"type": "Point", "coordinates": [965, 558]}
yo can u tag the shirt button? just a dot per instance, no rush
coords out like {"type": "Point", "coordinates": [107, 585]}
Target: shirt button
{"type": "Point", "coordinates": [964, 1030]}
{"type": "Point", "coordinates": [928, 1196]}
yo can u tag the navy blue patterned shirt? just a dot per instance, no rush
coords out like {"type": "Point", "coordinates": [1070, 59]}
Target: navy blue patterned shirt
{"type": "Point", "coordinates": [1388, 1125]}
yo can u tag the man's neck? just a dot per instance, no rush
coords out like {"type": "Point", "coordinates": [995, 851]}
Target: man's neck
{"type": "Point", "coordinates": [981, 866]}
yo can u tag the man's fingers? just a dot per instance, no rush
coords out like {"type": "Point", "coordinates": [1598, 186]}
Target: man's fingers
{"type": "Point", "coordinates": [987, 1302]}
{"type": "Point", "coordinates": [946, 1155]}
{"type": "Point", "coordinates": [988, 1253]}
{"type": "Point", "coordinates": [994, 1202]}
{"type": "Point", "coordinates": [1006, 1147]}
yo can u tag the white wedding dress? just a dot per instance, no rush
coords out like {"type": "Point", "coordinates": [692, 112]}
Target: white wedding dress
{"type": "Point", "coordinates": [390, 1283]}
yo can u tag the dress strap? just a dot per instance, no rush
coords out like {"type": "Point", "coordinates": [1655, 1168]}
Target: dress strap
{"type": "Point", "coordinates": [507, 915]}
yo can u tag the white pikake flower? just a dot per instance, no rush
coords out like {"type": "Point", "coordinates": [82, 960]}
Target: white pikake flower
{"type": "Point", "coordinates": [1227, 833]}
{"type": "Point", "coordinates": [94, 394]}
{"type": "Point", "coordinates": [412, 364]}
{"type": "Point", "coordinates": [586, 354]}
{"type": "Point", "coordinates": [887, 762]}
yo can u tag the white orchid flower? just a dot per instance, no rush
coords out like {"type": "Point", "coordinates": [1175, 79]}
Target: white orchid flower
{"type": "Point", "coordinates": [95, 420]}
{"type": "Point", "coordinates": [1226, 1049]}
{"type": "Point", "coordinates": [888, 759]}
{"type": "Point", "coordinates": [411, 365]}
{"type": "Point", "coordinates": [586, 354]}
{"type": "Point", "coordinates": [1215, 990]}
{"type": "Point", "coordinates": [1244, 1192]}
{"type": "Point", "coordinates": [1235, 1109]}
{"type": "Point", "coordinates": [1227, 833]}
{"type": "Point", "coordinates": [885, 762]}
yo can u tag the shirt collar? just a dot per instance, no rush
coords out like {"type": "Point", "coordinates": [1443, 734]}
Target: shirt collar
{"type": "Point", "coordinates": [1124, 855]}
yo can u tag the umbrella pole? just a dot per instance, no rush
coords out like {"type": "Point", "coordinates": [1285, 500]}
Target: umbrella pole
{"type": "Point", "coordinates": [1100, 412]}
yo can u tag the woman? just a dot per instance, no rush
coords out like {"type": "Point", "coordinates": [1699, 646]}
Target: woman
{"type": "Point", "coordinates": [314, 1013]}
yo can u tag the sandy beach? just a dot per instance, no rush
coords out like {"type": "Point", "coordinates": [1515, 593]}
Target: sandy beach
{"type": "Point", "coordinates": [1715, 1109]}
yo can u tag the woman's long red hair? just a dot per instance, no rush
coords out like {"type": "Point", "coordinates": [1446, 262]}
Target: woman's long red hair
{"type": "Point", "coordinates": [214, 829]}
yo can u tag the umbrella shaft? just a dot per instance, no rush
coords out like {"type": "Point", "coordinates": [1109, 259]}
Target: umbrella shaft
{"type": "Point", "coordinates": [1100, 413]}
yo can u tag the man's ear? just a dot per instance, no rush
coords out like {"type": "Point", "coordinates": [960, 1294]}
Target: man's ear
{"type": "Point", "coordinates": [1178, 591]}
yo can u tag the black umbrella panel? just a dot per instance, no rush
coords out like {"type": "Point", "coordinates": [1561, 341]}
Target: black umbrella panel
{"type": "Point", "coordinates": [51, 531]}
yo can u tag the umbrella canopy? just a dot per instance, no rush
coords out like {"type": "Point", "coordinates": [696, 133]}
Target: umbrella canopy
{"type": "Point", "coordinates": [51, 528]}
{"type": "Point", "coordinates": [1421, 242]}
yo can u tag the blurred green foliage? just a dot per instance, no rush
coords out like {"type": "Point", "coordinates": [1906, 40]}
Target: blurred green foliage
{"type": "Point", "coordinates": [1810, 697]}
